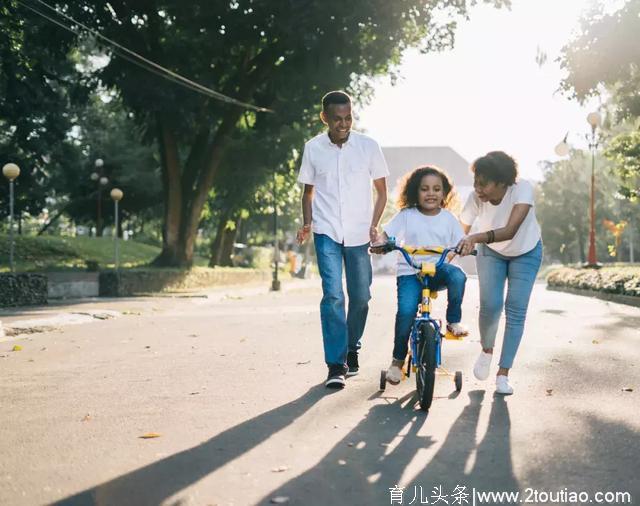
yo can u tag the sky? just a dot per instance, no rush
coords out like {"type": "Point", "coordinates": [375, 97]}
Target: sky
{"type": "Point", "coordinates": [488, 92]}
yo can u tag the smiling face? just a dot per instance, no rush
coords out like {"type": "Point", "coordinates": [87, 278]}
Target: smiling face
{"type": "Point", "coordinates": [430, 194]}
{"type": "Point", "coordinates": [488, 190]}
{"type": "Point", "coordinates": [338, 119]}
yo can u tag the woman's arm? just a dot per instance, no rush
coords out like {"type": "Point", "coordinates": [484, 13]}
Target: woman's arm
{"type": "Point", "coordinates": [517, 216]}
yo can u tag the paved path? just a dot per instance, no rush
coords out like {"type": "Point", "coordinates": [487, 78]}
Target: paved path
{"type": "Point", "coordinates": [232, 383]}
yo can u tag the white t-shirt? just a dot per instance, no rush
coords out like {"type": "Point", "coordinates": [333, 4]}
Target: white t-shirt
{"type": "Point", "coordinates": [485, 216]}
{"type": "Point", "coordinates": [412, 228]}
{"type": "Point", "coordinates": [343, 199]}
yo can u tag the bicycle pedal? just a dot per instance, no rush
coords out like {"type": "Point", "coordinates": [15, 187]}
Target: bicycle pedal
{"type": "Point", "coordinates": [452, 337]}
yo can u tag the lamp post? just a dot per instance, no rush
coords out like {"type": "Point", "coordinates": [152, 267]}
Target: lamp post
{"type": "Point", "coordinates": [101, 181]}
{"type": "Point", "coordinates": [275, 284]}
{"type": "Point", "coordinates": [116, 195]}
{"type": "Point", "coordinates": [562, 149]}
{"type": "Point", "coordinates": [11, 171]}
{"type": "Point", "coordinates": [594, 121]}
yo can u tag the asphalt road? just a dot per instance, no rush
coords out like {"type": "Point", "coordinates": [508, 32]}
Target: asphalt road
{"type": "Point", "coordinates": [231, 383]}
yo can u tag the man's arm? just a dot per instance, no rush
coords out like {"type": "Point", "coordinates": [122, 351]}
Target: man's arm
{"type": "Point", "coordinates": [380, 185]}
{"type": "Point", "coordinates": [307, 200]}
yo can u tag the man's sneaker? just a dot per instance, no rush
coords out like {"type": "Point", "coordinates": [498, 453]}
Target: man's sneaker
{"type": "Point", "coordinates": [336, 378]}
{"type": "Point", "coordinates": [483, 365]}
{"type": "Point", "coordinates": [352, 363]}
{"type": "Point", "coordinates": [394, 373]}
{"type": "Point", "coordinates": [502, 385]}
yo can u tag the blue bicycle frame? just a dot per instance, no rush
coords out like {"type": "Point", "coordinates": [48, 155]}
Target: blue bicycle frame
{"type": "Point", "coordinates": [425, 274]}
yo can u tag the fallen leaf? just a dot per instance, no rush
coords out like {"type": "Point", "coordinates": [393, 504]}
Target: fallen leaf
{"type": "Point", "coordinates": [595, 341]}
{"type": "Point", "coordinates": [150, 435]}
{"type": "Point", "coordinates": [86, 418]}
{"type": "Point", "coordinates": [549, 391]}
{"type": "Point", "coordinates": [627, 389]}
{"type": "Point", "coordinates": [280, 469]}
{"type": "Point", "coordinates": [17, 347]}
{"type": "Point", "coordinates": [555, 360]}
{"type": "Point", "coordinates": [194, 393]}
{"type": "Point", "coordinates": [350, 444]}
{"type": "Point", "coordinates": [279, 500]}
{"type": "Point", "coordinates": [304, 363]}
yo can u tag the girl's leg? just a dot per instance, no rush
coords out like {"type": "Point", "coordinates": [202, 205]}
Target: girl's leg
{"type": "Point", "coordinates": [522, 275]}
{"type": "Point", "coordinates": [492, 274]}
{"type": "Point", "coordinates": [453, 278]}
{"type": "Point", "coordinates": [409, 293]}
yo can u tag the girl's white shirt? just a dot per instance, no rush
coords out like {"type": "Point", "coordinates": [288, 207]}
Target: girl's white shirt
{"type": "Point", "coordinates": [484, 216]}
{"type": "Point", "coordinates": [412, 228]}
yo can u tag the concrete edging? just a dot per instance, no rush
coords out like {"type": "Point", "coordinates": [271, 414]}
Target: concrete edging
{"type": "Point", "coordinates": [628, 300]}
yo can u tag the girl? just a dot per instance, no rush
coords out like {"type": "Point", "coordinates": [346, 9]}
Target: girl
{"type": "Point", "coordinates": [423, 220]}
{"type": "Point", "coordinates": [501, 210]}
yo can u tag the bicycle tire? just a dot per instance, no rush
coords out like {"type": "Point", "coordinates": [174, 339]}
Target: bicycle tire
{"type": "Point", "coordinates": [426, 365]}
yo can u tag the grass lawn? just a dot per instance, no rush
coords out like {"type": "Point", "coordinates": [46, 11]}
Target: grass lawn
{"type": "Point", "coordinates": [70, 253]}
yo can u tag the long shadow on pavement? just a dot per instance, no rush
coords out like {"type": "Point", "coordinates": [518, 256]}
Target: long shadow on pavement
{"type": "Point", "coordinates": [374, 456]}
{"type": "Point", "coordinates": [152, 484]}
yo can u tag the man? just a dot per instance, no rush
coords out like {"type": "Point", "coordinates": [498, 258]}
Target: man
{"type": "Point", "coordinates": [337, 169]}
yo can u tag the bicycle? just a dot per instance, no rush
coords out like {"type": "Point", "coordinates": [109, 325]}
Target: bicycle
{"type": "Point", "coordinates": [426, 333]}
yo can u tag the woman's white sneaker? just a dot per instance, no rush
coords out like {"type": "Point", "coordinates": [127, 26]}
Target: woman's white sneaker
{"type": "Point", "coordinates": [483, 365]}
{"type": "Point", "coordinates": [502, 385]}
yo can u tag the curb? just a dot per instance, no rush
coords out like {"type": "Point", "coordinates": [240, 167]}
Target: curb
{"type": "Point", "coordinates": [628, 300]}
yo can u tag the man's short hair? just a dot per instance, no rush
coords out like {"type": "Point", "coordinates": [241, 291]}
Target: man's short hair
{"type": "Point", "coordinates": [335, 97]}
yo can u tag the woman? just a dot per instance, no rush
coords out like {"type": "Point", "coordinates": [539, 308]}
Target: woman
{"type": "Point", "coordinates": [509, 250]}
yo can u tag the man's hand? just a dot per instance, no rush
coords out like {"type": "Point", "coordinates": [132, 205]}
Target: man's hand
{"type": "Point", "coordinates": [303, 234]}
{"type": "Point", "coordinates": [466, 245]}
{"type": "Point", "coordinates": [374, 235]}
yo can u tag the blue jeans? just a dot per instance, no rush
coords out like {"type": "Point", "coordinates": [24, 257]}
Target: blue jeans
{"type": "Point", "coordinates": [342, 332]}
{"type": "Point", "coordinates": [520, 274]}
{"type": "Point", "coordinates": [447, 276]}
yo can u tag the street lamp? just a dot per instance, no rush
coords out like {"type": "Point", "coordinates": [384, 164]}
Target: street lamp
{"type": "Point", "coordinates": [116, 195]}
{"type": "Point", "coordinates": [275, 284]}
{"type": "Point", "coordinates": [11, 171]}
{"type": "Point", "coordinates": [101, 181]}
{"type": "Point", "coordinates": [562, 149]}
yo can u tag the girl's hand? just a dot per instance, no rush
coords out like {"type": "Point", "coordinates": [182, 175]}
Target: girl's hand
{"type": "Point", "coordinates": [466, 245]}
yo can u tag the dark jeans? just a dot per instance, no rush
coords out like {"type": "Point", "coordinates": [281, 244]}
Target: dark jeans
{"type": "Point", "coordinates": [447, 276]}
{"type": "Point", "coordinates": [341, 332]}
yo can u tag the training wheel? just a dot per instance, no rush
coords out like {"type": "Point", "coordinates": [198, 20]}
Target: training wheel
{"type": "Point", "coordinates": [458, 380]}
{"type": "Point", "coordinates": [383, 380]}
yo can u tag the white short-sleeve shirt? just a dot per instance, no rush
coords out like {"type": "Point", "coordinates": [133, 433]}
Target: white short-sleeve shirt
{"type": "Point", "coordinates": [484, 216]}
{"type": "Point", "coordinates": [413, 228]}
{"type": "Point", "coordinates": [341, 176]}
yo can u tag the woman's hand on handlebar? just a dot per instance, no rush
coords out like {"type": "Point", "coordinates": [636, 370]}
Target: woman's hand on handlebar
{"type": "Point", "coordinates": [466, 245]}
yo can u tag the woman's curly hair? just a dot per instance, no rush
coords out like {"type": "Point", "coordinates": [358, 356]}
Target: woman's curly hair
{"type": "Point", "coordinates": [410, 186]}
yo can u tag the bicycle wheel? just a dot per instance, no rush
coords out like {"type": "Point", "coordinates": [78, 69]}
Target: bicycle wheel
{"type": "Point", "coordinates": [426, 365]}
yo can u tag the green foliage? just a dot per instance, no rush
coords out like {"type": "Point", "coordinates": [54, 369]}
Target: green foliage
{"type": "Point", "coordinates": [54, 253]}
{"type": "Point", "coordinates": [624, 153]}
{"type": "Point", "coordinates": [606, 52]}
{"type": "Point", "coordinates": [562, 207]}
{"type": "Point", "coordinates": [39, 87]}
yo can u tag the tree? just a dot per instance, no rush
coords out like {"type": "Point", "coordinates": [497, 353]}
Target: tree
{"type": "Point", "coordinates": [39, 88]}
{"type": "Point", "coordinates": [562, 207]}
{"type": "Point", "coordinates": [281, 54]}
{"type": "Point", "coordinates": [607, 53]}
{"type": "Point", "coordinates": [624, 153]}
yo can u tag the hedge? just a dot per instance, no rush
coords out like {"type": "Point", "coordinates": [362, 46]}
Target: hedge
{"type": "Point", "coordinates": [23, 290]}
{"type": "Point", "coordinates": [622, 281]}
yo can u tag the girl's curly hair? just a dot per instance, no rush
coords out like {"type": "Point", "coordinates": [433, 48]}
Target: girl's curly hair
{"type": "Point", "coordinates": [411, 184]}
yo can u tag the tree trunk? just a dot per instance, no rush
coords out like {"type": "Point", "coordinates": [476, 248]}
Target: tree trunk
{"type": "Point", "coordinates": [228, 240]}
{"type": "Point", "coordinates": [216, 250]}
{"type": "Point", "coordinates": [171, 182]}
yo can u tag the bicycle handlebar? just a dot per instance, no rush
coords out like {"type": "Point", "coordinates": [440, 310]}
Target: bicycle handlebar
{"type": "Point", "coordinates": [408, 251]}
